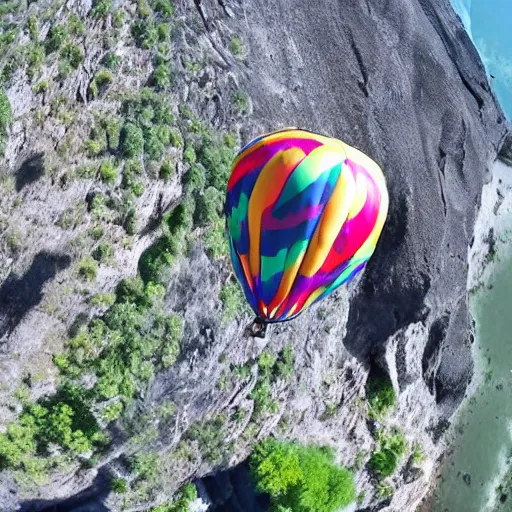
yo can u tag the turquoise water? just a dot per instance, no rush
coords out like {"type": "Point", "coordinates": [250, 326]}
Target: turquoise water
{"type": "Point", "coordinates": [489, 24]}
{"type": "Point", "coordinates": [483, 439]}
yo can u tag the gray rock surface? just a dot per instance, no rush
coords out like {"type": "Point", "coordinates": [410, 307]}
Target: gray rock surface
{"type": "Point", "coordinates": [399, 80]}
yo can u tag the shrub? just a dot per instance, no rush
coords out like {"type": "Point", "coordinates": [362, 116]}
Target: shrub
{"type": "Point", "coordinates": [189, 155]}
{"type": "Point", "coordinates": [157, 258]}
{"type": "Point", "coordinates": [94, 147]}
{"type": "Point", "coordinates": [210, 437]}
{"type": "Point", "coordinates": [301, 478]}
{"type": "Point", "coordinates": [208, 207]}
{"type": "Point", "coordinates": [166, 171]}
{"type": "Point", "coordinates": [143, 9]}
{"type": "Point", "coordinates": [101, 8]}
{"type": "Point", "coordinates": [181, 502]}
{"type": "Point", "coordinates": [236, 46]}
{"type": "Point", "coordinates": [164, 33]}
{"type": "Point", "coordinates": [391, 447]}
{"type": "Point", "coordinates": [113, 132]}
{"type": "Point", "coordinates": [111, 61]}
{"type": "Point", "coordinates": [163, 7]}
{"type": "Point", "coordinates": [241, 102]}
{"type": "Point", "coordinates": [108, 172]}
{"type": "Point", "coordinates": [132, 140]}
{"type": "Point", "coordinates": [119, 485]}
{"type": "Point", "coordinates": [41, 87]}
{"type": "Point", "coordinates": [103, 252]}
{"type": "Point", "coordinates": [144, 33]}
{"type": "Point", "coordinates": [56, 36]}
{"type": "Point", "coordinates": [145, 465]}
{"type": "Point", "coordinates": [381, 396]}
{"type": "Point", "coordinates": [232, 299]}
{"type": "Point", "coordinates": [153, 146]}
{"type": "Point", "coordinates": [88, 269]}
{"type": "Point", "coordinates": [73, 54]}
{"type": "Point", "coordinates": [162, 76]}
{"type": "Point", "coordinates": [35, 57]}
{"type": "Point", "coordinates": [76, 25]}
{"type": "Point", "coordinates": [175, 138]}
{"type": "Point", "coordinates": [5, 112]}
{"type": "Point", "coordinates": [102, 78]}
{"type": "Point", "coordinates": [33, 27]}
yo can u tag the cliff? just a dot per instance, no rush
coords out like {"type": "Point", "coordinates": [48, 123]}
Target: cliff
{"type": "Point", "coordinates": [401, 81]}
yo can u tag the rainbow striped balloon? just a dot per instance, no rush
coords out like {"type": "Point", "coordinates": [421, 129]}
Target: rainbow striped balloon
{"type": "Point", "coordinates": [304, 214]}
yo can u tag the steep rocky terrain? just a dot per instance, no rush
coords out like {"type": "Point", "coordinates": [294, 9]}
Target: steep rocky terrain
{"type": "Point", "coordinates": [120, 110]}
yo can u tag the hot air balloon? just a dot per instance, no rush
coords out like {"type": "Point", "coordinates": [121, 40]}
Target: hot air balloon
{"type": "Point", "coordinates": [304, 213]}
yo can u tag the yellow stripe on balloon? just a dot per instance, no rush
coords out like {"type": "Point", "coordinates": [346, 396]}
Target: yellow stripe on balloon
{"type": "Point", "coordinates": [332, 220]}
{"type": "Point", "coordinates": [266, 191]}
{"type": "Point", "coordinates": [360, 195]}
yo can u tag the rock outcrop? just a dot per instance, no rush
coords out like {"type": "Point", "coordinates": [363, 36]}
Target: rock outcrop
{"type": "Point", "coordinates": [399, 80]}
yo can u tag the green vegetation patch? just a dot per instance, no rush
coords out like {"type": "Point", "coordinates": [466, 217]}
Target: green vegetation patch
{"type": "Point", "coordinates": [134, 339]}
{"type": "Point", "coordinates": [64, 420]}
{"type": "Point", "coordinates": [381, 396]}
{"type": "Point", "coordinates": [181, 502]}
{"type": "Point", "coordinates": [301, 478]}
{"type": "Point", "coordinates": [391, 448]}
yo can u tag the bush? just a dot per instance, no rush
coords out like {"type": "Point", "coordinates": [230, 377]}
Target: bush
{"type": "Point", "coordinates": [108, 172]}
{"type": "Point", "coordinates": [101, 8]}
{"type": "Point", "coordinates": [113, 131]}
{"type": "Point", "coordinates": [33, 27]}
{"type": "Point", "coordinates": [88, 269]}
{"type": "Point", "coordinates": [111, 61]}
{"type": "Point", "coordinates": [132, 140]}
{"type": "Point", "coordinates": [73, 54]}
{"type": "Point", "coordinates": [162, 76]}
{"type": "Point", "coordinates": [102, 78]}
{"type": "Point", "coordinates": [210, 437]}
{"type": "Point", "coordinates": [301, 478]}
{"type": "Point", "coordinates": [208, 207]}
{"type": "Point", "coordinates": [391, 448]}
{"type": "Point", "coordinates": [119, 485]}
{"type": "Point", "coordinates": [145, 465]}
{"type": "Point", "coordinates": [175, 138]}
{"type": "Point", "coordinates": [5, 112]}
{"type": "Point", "coordinates": [35, 58]}
{"type": "Point", "coordinates": [381, 396]}
{"type": "Point", "coordinates": [166, 171]}
{"type": "Point", "coordinates": [153, 146]}
{"type": "Point", "coordinates": [241, 102]}
{"type": "Point", "coordinates": [233, 301]}
{"type": "Point", "coordinates": [41, 87]}
{"type": "Point", "coordinates": [157, 258]}
{"type": "Point", "coordinates": [56, 36]}
{"type": "Point", "coordinates": [144, 33]}
{"type": "Point", "coordinates": [181, 502]}
{"type": "Point", "coordinates": [237, 47]}
{"type": "Point", "coordinates": [163, 7]}
{"type": "Point", "coordinates": [189, 155]}
{"type": "Point", "coordinates": [103, 252]}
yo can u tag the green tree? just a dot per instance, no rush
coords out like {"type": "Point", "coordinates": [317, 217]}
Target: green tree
{"type": "Point", "coordinates": [301, 478]}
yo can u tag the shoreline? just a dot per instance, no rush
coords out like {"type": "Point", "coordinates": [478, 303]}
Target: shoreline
{"type": "Point", "coordinates": [490, 238]}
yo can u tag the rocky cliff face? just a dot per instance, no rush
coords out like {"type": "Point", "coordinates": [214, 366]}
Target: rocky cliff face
{"type": "Point", "coordinates": [401, 81]}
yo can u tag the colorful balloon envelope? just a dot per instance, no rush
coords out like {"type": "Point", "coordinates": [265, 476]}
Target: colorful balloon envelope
{"type": "Point", "coordinates": [304, 213]}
